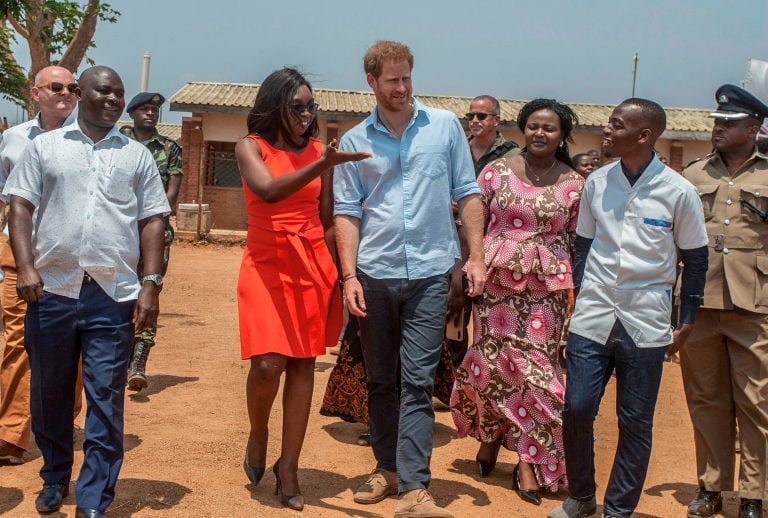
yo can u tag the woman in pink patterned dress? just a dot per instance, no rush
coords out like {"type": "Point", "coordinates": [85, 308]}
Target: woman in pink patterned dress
{"type": "Point", "coordinates": [509, 388]}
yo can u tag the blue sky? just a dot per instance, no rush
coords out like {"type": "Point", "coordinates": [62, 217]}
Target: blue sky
{"type": "Point", "coordinates": [575, 51]}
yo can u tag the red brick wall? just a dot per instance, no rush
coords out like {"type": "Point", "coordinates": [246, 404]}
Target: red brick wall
{"type": "Point", "coordinates": [227, 207]}
{"type": "Point", "coordinates": [192, 144]}
{"type": "Point", "coordinates": [676, 156]}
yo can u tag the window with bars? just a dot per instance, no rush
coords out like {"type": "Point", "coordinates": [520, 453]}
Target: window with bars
{"type": "Point", "coordinates": [221, 168]}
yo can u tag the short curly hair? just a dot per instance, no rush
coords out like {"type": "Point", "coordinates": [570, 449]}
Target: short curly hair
{"type": "Point", "coordinates": [568, 120]}
{"type": "Point", "coordinates": [384, 50]}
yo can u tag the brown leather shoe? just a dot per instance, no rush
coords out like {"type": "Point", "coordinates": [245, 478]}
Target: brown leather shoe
{"type": "Point", "coordinates": [10, 453]}
{"type": "Point", "coordinates": [418, 503]}
{"type": "Point", "coordinates": [380, 484]}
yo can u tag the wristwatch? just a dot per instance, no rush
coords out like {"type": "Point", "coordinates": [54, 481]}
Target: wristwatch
{"type": "Point", "coordinates": [154, 277]}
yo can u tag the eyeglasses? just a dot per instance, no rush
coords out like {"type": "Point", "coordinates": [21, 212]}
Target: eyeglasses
{"type": "Point", "coordinates": [301, 108]}
{"type": "Point", "coordinates": [56, 87]}
{"type": "Point", "coordinates": [481, 116]}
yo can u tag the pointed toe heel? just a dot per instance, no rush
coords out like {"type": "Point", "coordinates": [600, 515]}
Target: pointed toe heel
{"type": "Point", "coordinates": [486, 467]}
{"type": "Point", "coordinates": [532, 496]}
{"type": "Point", "coordinates": [254, 474]}
{"type": "Point", "coordinates": [295, 502]}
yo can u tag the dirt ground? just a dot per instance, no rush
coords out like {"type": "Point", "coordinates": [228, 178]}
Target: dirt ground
{"type": "Point", "coordinates": [186, 433]}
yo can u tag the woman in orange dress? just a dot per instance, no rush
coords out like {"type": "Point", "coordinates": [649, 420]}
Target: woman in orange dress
{"type": "Point", "coordinates": [288, 298]}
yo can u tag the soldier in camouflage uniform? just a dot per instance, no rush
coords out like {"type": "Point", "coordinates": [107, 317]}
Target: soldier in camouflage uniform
{"type": "Point", "coordinates": [144, 109]}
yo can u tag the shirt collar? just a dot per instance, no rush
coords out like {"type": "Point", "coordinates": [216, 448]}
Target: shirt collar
{"type": "Point", "coordinates": [654, 167]}
{"type": "Point", "coordinates": [113, 133]}
{"type": "Point", "coordinates": [418, 109]}
{"type": "Point", "coordinates": [36, 122]}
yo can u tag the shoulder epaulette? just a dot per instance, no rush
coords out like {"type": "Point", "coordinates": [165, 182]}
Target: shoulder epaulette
{"type": "Point", "coordinates": [707, 157]}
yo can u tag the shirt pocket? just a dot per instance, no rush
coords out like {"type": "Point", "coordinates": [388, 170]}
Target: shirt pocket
{"type": "Point", "coordinates": [650, 232]}
{"type": "Point", "coordinates": [761, 284]}
{"type": "Point", "coordinates": [757, 197]}
{"type": "Point", "coordinates": [118, 185]}
{"type": "Point", "coordinates": [707, 193]}
{"type": "Point", "coordinates": [430, 160]}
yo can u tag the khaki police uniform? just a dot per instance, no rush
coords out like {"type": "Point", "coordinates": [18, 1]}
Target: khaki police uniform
{"type": "Point", "coordinates": [725, 361]}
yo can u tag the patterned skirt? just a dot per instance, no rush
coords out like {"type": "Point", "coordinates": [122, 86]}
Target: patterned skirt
{"type": "Point", "coordinates": [346, 395]}
{"type": "Point", "coordinates": [510, 385]}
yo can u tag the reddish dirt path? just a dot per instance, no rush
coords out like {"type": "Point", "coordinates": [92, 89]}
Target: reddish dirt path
{"type": "Point", "coordinates": [186, 434]}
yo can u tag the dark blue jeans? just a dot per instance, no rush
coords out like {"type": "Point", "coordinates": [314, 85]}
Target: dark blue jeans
{"type": "Point", "coordinates": [638, 375]}
{"type": "Point", "coordinates": [405, 323]}
{"type": "Point", "coordinates": [58, 332]}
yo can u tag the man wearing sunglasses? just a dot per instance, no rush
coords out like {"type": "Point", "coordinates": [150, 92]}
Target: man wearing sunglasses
{"type": "Point", "coordinates": [485, 140]}
{"type": "Point", "coordinates": [55, 92]}
{"type": "Point", "coordinates": [144, 109]}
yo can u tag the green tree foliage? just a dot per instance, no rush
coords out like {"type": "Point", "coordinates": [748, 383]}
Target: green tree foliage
{"type": "Point", "coordinates": [57, 32]}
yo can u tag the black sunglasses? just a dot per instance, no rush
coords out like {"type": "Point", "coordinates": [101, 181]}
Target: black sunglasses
{"type": "Point", "coordinates": [481, 116]}
{"type": "Point", "coordinates": [301, 108]}
{"type": "Point", "coordinates": [56, 87]}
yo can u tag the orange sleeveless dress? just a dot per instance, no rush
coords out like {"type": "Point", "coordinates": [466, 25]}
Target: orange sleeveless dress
{"type": "Point", "coordinates": [288, 297]}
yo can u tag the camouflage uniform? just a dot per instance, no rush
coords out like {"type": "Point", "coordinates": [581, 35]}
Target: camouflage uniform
{"type": "Point", "coordinates": [167, 155]}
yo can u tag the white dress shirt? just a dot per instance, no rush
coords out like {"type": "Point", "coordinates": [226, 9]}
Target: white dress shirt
{"type": "Point", "coordinates": [632, 265]}
{"type": "Point", "coordinates": [90, 199]}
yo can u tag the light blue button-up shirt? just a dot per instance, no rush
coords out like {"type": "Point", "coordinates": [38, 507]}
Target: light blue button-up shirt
{"type": "Point", "coordinates": [403, 194]}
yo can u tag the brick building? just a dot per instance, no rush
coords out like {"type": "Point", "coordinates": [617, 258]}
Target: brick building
{"type": "Point", "coordinates": [218, 121]}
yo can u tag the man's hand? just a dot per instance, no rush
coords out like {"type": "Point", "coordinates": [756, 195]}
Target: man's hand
{"type": "Point", "coordinates": [476, 274]}
{"type": "Point", "coordinates": [457, 299]}
{"type": "Point", "coordinates": [29, 285]}
{"type": "Point", "coordinates": [353, 295]}
{"type": "Point", "coordinates": [679, 337]}
{"type": "Point", "coordinates": [147, 307]}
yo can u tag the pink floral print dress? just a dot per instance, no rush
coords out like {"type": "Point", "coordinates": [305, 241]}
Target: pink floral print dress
{"type": "Point", "coordinates": [510, 384]}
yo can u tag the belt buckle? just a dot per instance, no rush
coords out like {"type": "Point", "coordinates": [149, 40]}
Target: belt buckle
{"type": "Point", "coordinates": [87, 278]}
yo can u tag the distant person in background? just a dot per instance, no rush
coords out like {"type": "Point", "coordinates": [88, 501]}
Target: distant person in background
{"type": "Point", "coordinates": [55, 90]}
{"type": "Point", "coordinates": [485, 140]}
{"type": "Point", "coordinates": [583, 164]}
{"type": "Point", "coordinates": [509, 388]}
{"type": "Point", "coordinates": [595, 155]}
{"type": "Point", "coordinates": [288, 298]}
{"type": "Point", "coordinates": [725, 362]}
{"type": "Point", "coordinates": [144, 109]}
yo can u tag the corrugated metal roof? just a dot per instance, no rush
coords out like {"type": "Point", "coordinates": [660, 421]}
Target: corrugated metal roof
{"type": "Point", "coordinates": [238, 98]}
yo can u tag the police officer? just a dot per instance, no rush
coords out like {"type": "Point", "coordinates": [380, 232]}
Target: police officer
{"type": "Point", "coordinates": [144, 109]}
{"type": "Point", "coordinates": [725, 361]}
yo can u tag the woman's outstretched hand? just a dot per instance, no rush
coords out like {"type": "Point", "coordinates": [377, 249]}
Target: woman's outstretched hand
{"type": "Point", "coordinates": [333, 156]}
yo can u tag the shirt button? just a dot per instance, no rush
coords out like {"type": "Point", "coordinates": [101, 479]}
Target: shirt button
{"type": "Point", "coordinates": [727, 221]}
{"type": "Point", "coordinates": [730, 183]}
{"type": "Point", "coordinates": [725, 250]}
{"type": "Point", "coordinates": [728, 202]}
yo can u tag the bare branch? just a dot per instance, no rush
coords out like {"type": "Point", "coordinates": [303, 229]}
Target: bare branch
{"type": "Point", "coordinates": [81, 41]}
{"type": "Point", "coordinates": [18, 27]}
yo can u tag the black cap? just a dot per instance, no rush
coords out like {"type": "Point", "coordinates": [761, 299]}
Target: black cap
{"type": "Point", "coordinates": [734, 103]}
{"type": "Point", "coordinates": [145, 98]}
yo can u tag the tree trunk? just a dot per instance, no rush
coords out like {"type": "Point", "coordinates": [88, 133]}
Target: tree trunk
{"type": "Point", "coordinates": [77, 48]}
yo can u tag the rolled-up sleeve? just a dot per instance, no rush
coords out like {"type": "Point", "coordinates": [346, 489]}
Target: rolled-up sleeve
{"type": "Point", "coordinates": [27, 178]}
{"type": "Point", "coordinates": [463, 181]}
{"type": "Point", "coordinates": [150, 195]}
{"type": "Point", "coordinates": [348, 193]}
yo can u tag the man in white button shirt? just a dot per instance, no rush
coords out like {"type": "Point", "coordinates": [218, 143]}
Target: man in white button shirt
{"type": "Point", "coordinates": [100, 204]}
{"type": "Point", "coordinates": [54, 91]}
{"type": "Point", "coordinates": [636, 216]}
